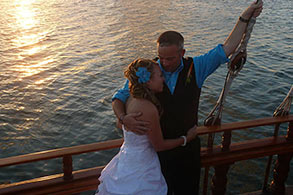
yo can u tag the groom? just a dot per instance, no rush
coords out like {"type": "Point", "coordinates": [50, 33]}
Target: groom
{"type": "Point", "coordinates": [184, 78]}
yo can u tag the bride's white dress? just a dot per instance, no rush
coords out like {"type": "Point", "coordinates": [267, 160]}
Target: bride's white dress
{"type": "Point", "coordinates": [134, 170]}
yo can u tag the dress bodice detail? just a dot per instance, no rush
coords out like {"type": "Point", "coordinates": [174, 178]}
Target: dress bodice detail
{"type": "Point", "coordinates": [135, 142]}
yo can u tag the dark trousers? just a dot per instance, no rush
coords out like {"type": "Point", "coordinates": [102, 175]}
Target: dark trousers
{"type": "Point", "coordinates": [181, 168]}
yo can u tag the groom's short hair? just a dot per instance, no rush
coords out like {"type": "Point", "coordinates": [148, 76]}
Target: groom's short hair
{"type": "Point", "coordinates": [171, 38]}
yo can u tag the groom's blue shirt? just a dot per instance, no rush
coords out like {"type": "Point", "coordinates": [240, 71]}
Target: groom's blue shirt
{"type": "Point", "coordinates": [204, 65]}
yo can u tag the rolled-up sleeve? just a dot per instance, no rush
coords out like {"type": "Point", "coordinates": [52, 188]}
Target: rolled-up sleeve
{"type": "Point", "coordinates": [123, 93]}
{"type": "Point", "coordinates": [206, 64]}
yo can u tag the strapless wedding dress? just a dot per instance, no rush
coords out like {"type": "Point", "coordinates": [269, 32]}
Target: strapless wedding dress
{"type": "Point", "coordinates": [134, 170]}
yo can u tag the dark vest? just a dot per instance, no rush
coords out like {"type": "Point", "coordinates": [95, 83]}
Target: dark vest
{"type": "Point", "coordinates": [180, 109]}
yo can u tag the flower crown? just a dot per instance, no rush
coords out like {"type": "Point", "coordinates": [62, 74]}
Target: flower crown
{"type": "Point", "coordinates": [143, 75]}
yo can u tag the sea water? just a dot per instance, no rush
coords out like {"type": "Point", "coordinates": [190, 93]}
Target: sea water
{"type": "Point", "coordinates": [61, 61]}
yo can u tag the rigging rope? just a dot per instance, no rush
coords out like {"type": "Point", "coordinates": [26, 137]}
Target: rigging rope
{"type": "Point", "coordinates": [234, 65]}
{"type": "Point", "coordinates": [284, 108]}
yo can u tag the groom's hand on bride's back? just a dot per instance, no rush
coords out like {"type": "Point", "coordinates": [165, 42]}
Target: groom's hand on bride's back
{"type": "Point", "coordinates": [132, 123]}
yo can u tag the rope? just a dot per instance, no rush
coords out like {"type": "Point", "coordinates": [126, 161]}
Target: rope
{"type": "Point", "coordinates": [235, 64]}
{"type": "Point", "coordinates": [284, 108]}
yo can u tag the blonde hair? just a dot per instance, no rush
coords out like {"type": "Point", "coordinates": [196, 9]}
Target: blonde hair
{"type": "Point", "coordinates": [140, 90]}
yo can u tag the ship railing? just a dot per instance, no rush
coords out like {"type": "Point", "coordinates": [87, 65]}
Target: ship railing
{"type": "Point", "coordinates": [220, 157]}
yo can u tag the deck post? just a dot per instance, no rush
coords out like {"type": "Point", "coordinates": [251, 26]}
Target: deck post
{"type": "Point", "coordinates": [219, 180]}
{"type": "Point", "coordinates": [226, 140]}
{"type": "Point", "coordinates": [67, 167]}
{"type": "Point", "coordinates": [290, 132]}
{"type": "Point", "coordinates": [282, 167]}
{"type": "Point", "coordinates": [211, 137]}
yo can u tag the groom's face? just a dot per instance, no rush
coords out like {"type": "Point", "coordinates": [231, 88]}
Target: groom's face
{"type": "Point", "coordinates": [170, 57]}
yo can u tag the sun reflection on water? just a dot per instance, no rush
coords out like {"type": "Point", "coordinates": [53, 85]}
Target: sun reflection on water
{"type": "Point", "coordinates": [25, 15]}
{"type": "Point", "coordinates": [28, 38]}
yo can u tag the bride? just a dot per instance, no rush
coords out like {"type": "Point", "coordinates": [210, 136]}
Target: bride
{"type": "Point", "coordinates": [136, 168]}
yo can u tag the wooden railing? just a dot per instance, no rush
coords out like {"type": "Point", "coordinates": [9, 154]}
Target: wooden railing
{"type": "Point", "coordinates": [72, 182]}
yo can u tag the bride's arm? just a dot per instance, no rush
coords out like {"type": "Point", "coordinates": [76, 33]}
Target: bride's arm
{"type": "Point", "coordinates": [150, 113]}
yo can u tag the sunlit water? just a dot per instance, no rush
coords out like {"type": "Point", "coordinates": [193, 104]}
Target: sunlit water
{"type": "Point", "coordinates": [61, 61]}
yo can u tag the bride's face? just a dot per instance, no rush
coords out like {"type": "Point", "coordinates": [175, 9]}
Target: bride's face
{"type": "Point", "coordinates": [156, 82]}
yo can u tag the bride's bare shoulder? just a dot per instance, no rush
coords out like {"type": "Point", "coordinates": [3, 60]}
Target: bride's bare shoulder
{"type": "Point", "coordinates": [141, 105]}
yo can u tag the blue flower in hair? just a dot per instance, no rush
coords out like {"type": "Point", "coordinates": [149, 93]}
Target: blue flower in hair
{"type": "Point", "coordinates": [143, 75]}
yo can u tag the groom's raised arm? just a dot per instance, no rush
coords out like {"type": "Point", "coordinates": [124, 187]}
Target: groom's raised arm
{"type": "Point", "coordinates": [234, 38]}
